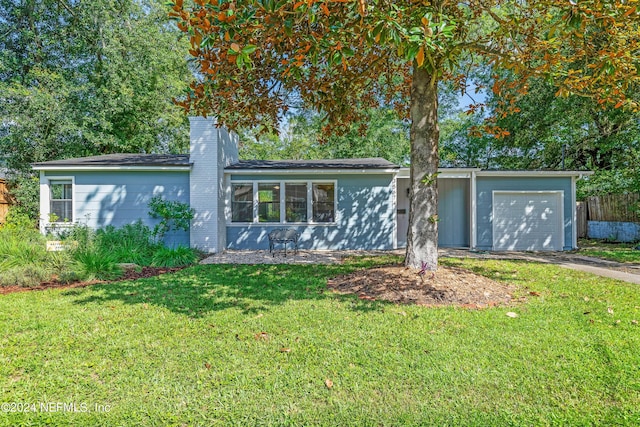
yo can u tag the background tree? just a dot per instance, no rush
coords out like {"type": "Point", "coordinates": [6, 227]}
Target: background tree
{"type": "Point", "coordinates": [572, 132]}
{"type": "Point", "coordinates": [382, 134]}
{"type": "Point", "coordinates": [257, 58]}
{"type": "Point", "coordinates": [85, 77]}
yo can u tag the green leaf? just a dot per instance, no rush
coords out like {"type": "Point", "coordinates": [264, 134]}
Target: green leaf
{"type": "Point", "coordinates": [249, 49]}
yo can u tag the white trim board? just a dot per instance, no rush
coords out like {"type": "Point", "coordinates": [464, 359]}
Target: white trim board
{"type": "Point", "coordinates": [110, 168]}
{"type": "Point", "coordinates": [322, 171]}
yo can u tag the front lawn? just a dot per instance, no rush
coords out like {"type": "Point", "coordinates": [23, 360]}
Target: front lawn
{"type": "Point", "coordinates": [619, 252]}
{"type": "Point", "coordinates": [268, 345]}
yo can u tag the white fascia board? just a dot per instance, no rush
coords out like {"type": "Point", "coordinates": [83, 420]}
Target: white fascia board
{"type": "Point", "coordinates": [309, 171]}
{"type": "Point", "coordinates": [443, 172]}
{"type": "Point", "coordinates": [515, 174]}
{"type": "Point", "coordinates": [110, 168]}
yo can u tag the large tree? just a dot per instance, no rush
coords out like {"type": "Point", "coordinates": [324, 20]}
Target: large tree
{"type": "Point", "coordinates": [257, 58]}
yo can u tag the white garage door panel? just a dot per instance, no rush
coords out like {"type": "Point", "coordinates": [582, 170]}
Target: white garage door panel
{"type": "Point", "coordinates": [528, 221]}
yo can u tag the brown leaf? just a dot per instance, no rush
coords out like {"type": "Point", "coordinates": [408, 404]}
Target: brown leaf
{"type": "Point", "coordinates": [534, 293]}
{"type": "Point", "coordinates": [328, 383]}
{"type": "Point", "coordinates": [207, 365]}
{"type": "Point", "coordinates": [261, 336]}
{"type": "Point", "coordinates": [285, 350]}
{"type": "Point", "coordinates": [420, 56]}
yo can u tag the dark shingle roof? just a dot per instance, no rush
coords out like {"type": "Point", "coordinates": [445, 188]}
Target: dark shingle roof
{"type": "Point", "coordinates": [371, 163]}
{"type": "Point", "coordinates": [115, 160]}
{"type": "Point", "coordinates": [123, 160]}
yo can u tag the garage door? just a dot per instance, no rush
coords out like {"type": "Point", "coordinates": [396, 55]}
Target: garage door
{"type": "Point", "coordinates": [528, 221]}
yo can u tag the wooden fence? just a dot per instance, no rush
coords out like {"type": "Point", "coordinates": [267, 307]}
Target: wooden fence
{"type": "Point", "coordinates": [4, 201]}
{"type": "Point", "coordinates": [614, 207]}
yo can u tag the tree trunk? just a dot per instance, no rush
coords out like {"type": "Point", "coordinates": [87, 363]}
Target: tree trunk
{"type": "Point", "coordinates": [422, 239]}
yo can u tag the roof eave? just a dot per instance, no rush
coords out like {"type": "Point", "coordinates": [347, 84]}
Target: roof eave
{"type": "Point", "coordinates": [91, 168]}
{"type": "Point", "coordinates": [302, 171]}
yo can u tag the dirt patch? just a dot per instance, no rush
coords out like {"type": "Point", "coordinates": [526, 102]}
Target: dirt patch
{"type": "Point", "coordinates": [447, 286]}
{"type": "Point", "coordinates": [128, 274]}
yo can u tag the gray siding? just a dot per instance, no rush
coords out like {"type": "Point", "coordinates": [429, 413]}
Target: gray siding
{"type": "Point", "coordinates": [365, 216]}
{"type": "Point", "coordinates": [121, 197]}
{"type": "Point", "coordinates": [484, 190]}
{"type": "Point", "coordinates": [453, 212]}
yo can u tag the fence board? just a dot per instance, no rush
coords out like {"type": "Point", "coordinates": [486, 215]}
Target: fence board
{"type": "Point", "coordinates": [614, 207]}
{"type": "Point", "coordinates": [581, 216]}
{"type": "Point", "coordinates": [4, 202]}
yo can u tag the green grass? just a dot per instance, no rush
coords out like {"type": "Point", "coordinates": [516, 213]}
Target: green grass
{"type": "Point", "coordinates": [620, 252]}
{"type": "Point", "coordinates": [189, 349]}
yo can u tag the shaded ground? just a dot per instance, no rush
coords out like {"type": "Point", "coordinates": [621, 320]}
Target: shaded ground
{"type": "Point", "coordinates": [447, 286]}
{"type": "Point", "coordinates": [129, 274]}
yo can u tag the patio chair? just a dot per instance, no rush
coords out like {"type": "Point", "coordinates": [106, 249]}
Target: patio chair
{"type": "Point", "coordinates": [283, 236]}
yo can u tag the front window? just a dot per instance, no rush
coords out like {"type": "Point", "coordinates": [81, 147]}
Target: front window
{"type": "Point", "coordinates": [269, 202]}
{"type": "Point", "coordinates": [242, 203]}
{"type": "Point", "coordinates": [323, 202]}
{"type": "Point", "coordinates": [292, 202]}
{"type": "Point", "coordinates": [296, 202]}
{"type": "Point", "coordinates": [61, 208]}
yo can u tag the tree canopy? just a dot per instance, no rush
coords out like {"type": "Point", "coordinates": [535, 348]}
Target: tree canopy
{"type": "Point", "coordinates": [258, 58]}
{"type": "Point", "coordinates": [88, 77]}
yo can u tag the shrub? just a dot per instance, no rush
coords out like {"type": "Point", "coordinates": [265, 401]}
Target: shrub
{"type": "Point", "coordinates": [174, 257]}
{"type": "Point", "coordinates": [25, 275]}
{"type": "Point", "coordinates": [173, 215]}
{"type": "Point", "coordinates": [92, 263]}
{"type": "Point", "coordinates": [132, 243]}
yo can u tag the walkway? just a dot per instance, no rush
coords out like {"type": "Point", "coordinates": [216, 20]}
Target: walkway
{"type": "Point", "coordinates": [615, 270]}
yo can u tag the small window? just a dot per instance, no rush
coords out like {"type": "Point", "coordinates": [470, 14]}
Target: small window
{"type": "Point", "coordinates": [296, 202]}
{"type": "Point", "coordinates": [61, 208]}
{"type": "Point", "coordinates": [269, 202]}
{"type": "Point", "coordinates": [242, 203]}
{"type": "Point", "coordinates": [323, 202]}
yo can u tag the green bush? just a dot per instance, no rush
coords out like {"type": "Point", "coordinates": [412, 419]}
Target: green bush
{"type": "Point", "coordinates": [24, 260]}
{"type": "Point", "coordinates": [174, 257]}
{"type": "Point", "coordinates": [92, 254]}
{"type": "Point", "coordinates": [25, 275]}
{"type": "Point", "coordinates": [132, 243]}
{"type": "Point", "coordinates": [93, 263]}
{"type": "Point", "coordinates": [173, 215]}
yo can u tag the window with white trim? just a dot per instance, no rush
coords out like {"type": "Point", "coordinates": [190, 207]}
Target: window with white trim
{"type": "Point", "coordinates": [269, 202]}
{"type": "Point", "coordinates": [294, 202]}
{"type": "Point", "coordinates": [242, 202]}
{"type": "Point", "coordinates": [324, 202]}
{"type": "Point", "coordinates": [61, 201]}
{"type": "Point", "coordinates": [295, 195]}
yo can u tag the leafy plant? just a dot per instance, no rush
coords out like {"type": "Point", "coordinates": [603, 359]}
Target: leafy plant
{"type": "Point", "coordinates": [131, 243]}
{"type": "Point", "coordinates": [173, 215]}
{"type": "Point", "coordinates": [96, 264]}
{"type": "Point", "coordinates": [174, 257]}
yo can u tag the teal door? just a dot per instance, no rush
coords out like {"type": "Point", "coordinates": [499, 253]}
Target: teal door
{"type": "Point", "coordinates": [453, 212]}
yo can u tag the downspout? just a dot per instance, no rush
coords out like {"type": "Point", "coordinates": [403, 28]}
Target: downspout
{"type": "Point", "coordinates": [473, 232]}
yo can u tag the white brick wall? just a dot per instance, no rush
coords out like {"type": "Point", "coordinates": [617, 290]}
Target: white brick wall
{"type": "Point", "coordinates": [211, 149]}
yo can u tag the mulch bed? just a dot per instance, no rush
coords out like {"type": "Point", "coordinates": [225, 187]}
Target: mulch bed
{"type": "Point", "coordinates": [402, 285]}
{"type": "Point", "coordinates": [128, 274]}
